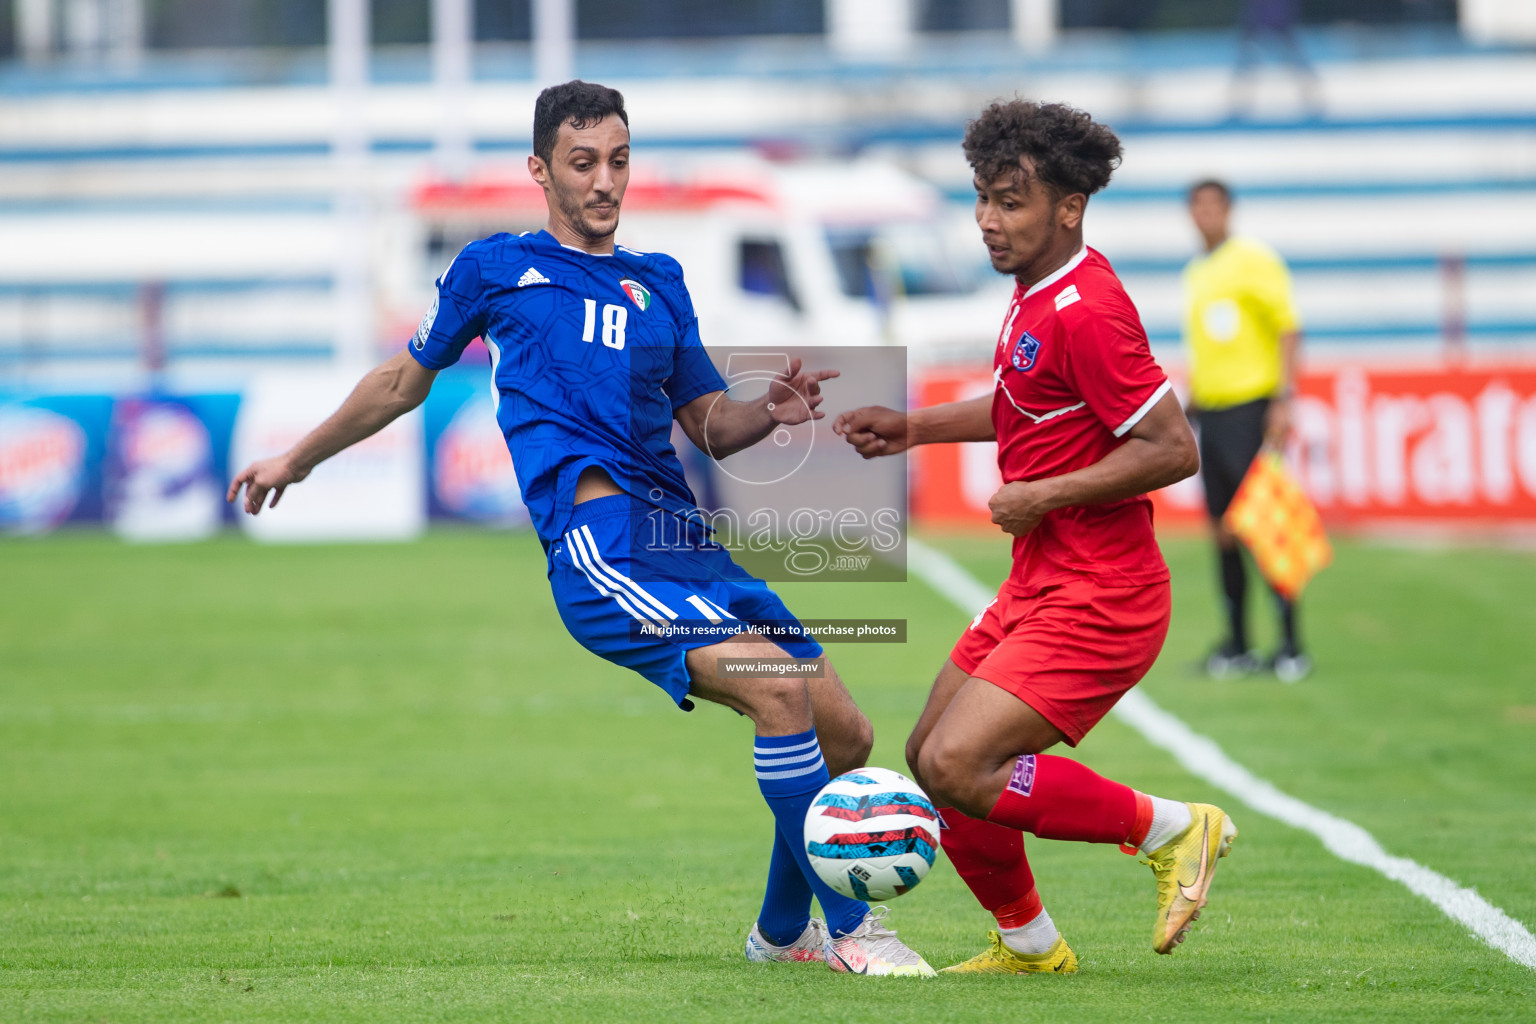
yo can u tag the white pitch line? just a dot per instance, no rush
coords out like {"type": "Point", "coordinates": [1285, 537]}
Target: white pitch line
{"type": "Point", "coordinates": [1203, 758]}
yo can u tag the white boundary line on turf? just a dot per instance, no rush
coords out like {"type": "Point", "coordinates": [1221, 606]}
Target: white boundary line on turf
{"type": "Point", "coordinates": [1201, 757]}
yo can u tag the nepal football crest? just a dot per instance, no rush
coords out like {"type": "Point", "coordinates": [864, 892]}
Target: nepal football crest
{"type": "Point", "coordinates": [1025, 351]}
{"type": "Point", "coordinates": [638, 293]}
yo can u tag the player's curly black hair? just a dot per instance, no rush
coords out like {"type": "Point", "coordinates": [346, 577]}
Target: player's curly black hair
{"type": "Point", "coordinates": [1068, 150]}
{"type": "Point", "coordinates": [581, 104]}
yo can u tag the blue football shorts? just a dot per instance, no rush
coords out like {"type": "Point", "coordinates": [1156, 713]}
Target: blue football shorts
{"type": "Point", "coordinates": [641, 587]}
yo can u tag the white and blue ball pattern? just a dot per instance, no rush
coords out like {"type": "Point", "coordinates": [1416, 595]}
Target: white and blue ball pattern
{"type": "Point", "coordinates": [872, 834]}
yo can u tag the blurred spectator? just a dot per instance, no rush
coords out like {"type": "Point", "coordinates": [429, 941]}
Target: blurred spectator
{"type": "Point", "coordinates": [1274, 20]}
{"type": "Point", "coordinates": [1242, 332]}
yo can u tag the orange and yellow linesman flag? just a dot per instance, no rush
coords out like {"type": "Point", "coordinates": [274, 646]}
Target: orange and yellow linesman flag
{"type": "Point", "coordinates": [1273, 516]}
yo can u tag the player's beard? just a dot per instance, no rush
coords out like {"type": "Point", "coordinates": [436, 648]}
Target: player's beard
{"type": "Point", "coordinates": [574, 209]}
{"type": "Point", "coordinates": [1021, 255]}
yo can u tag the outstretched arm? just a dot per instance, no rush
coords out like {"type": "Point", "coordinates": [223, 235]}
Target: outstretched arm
{"type": "Point", "coordinates": [875, 430]}
{"type": "Point", "coordinates": [720, 426]}
{"type": "Point", "coordinates": [387, 392]}
{"type": "Point", "coordinates": [1160, 450]}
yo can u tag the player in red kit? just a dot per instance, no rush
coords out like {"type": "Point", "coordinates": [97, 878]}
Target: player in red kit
{"type": "Point", "coordinates": [1085, 424]}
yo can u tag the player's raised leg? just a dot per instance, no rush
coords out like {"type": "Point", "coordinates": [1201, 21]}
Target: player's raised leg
{"type": "Point", "coordinates": [981, 758]}
{"type": "Point", "coordinates": [990, 859]}
{"type": "Point", "coordinates": [791, 768]}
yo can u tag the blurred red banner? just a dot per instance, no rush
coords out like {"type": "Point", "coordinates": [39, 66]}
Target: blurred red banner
{"type": "Point", "coordinates": [1372, 446]}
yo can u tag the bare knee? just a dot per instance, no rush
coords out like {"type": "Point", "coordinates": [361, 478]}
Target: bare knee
{"type": "Point", "coordinates": [952, 778]}
{"type": "Point", "coordinates": [777, 706]}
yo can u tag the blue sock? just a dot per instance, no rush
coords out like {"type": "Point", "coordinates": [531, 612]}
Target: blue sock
{"type": "Point", "coordinates": [787, 901]}
{"type": "Point", "coordinates": [790, 772]}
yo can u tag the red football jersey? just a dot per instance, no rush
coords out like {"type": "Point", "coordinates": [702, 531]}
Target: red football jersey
{"type": "Point", "coordinates": [1072, 375]}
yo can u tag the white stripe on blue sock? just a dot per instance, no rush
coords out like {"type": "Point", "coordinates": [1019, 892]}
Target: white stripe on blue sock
{"type": "Point", "coordinates": [772, 762]}
{"type": "Point", "coordinates": [792, 756]}
{"type": "Point", "coordinates": [765, 745]}
{"type": "Point", "coordinates": [819, 766]}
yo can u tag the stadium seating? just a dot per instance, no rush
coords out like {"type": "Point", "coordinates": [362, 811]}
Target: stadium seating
{"type": "Point", "coordinates": [1404, 204]}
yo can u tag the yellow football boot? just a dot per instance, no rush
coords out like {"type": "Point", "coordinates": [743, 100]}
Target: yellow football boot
{"type": "Point", "coordinates": [999, 959]}
{"type": "Point", "coordinates": [1184, 866]}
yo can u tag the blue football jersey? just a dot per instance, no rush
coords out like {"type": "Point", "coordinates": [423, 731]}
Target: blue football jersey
{"type": "Point", "coordinates": [590, 357]}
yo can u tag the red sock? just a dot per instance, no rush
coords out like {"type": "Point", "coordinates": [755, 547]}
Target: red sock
{"type": "Point", "coordinates": [990, 858]}
{"type": "Point", "coordinates": [1057, 798]}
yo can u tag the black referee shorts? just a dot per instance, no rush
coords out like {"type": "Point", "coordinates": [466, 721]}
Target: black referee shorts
{"type": "Point", "coordinates": [1229, 440]}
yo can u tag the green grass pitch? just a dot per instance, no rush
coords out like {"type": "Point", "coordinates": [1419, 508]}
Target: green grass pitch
{"type": "Point", "coordinates": [381, 783]}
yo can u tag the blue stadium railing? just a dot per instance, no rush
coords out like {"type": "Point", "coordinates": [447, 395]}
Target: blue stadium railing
{"type": "Point", "coordinates": [40, 347]}
{"type": "Point", "coordinates": [895, 131]}
{"type": "Point", "coordinates": [124, 345]}
{"type": "Point", "coordinates": [947, 55]}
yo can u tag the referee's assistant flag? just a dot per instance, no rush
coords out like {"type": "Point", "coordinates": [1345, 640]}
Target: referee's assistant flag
{"type": "Point", "coordinates": [1274, 518]}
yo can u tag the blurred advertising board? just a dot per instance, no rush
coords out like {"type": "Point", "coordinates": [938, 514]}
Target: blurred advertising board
{"type": "Point", "coordinates": [470, 474]}
{"type": "Point", "coordinates": [370, 491]}
{"type": "Point", "coordinates": [1373, 447]}
{"type": "Point", "coordinates": [164, 471]}
{"type": "Point", "coordinates": [51, 454]}
{"type": "Point", "coordinates": [155, 466]}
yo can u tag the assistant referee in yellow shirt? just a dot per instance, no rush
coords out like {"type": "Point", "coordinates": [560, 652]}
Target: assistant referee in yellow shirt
{"type": "Point", "coordinates": [1242, 333]}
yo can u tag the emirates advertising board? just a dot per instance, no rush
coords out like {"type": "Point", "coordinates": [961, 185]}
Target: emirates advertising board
{"type": "Point", "coordinates": [1372, 447]}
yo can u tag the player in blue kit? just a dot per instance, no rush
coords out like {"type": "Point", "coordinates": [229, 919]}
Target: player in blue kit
{"type": "Point", "coordinates": [595, 352]}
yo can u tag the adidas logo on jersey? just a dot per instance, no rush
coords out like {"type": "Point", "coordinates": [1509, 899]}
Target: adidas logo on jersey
{"type": "Point", "coordinates": [1067, 296]}
{"type": "Point", "coordinates": [531, 276]}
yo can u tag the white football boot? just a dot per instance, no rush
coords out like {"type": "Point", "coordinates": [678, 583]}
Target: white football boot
{"type": "Point", "coordinates": [874, 949]}
{"type": "Point", "coordinates": [810, 947]}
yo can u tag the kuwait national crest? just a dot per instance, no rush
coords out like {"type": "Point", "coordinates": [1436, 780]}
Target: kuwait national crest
{"type": "Point", "coordinates": [1024, 352]}
{"type": "Point", "coordinates": [638, 293]}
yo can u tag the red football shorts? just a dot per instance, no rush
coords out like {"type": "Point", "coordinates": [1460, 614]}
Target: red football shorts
{"type": "Point", "coordinates": [1069, 651]}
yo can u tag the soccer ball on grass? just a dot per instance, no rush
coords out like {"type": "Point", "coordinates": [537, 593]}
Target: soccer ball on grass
{"type": "Point", "coordinates": [872, 834]}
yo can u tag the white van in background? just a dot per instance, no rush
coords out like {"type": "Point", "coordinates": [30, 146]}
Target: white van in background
{"type": "Point", "coordinates": [853, 252]}
{"type": "Point", "coordinates": [205, 289]}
